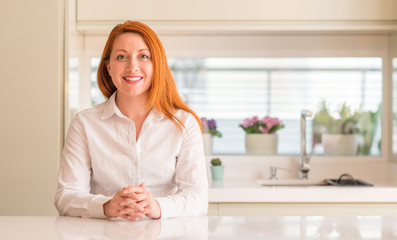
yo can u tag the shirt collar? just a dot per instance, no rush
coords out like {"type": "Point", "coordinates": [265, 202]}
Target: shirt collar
{"type": "Point", "coordinates": [111, 108]}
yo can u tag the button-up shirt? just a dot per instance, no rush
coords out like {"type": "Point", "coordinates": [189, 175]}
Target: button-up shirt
{"type": "Point", "coordinates": [101, 156]}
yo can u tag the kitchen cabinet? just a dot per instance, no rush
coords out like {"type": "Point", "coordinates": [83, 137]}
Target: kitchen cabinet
{"type": "Point", "coordinates": [253, 15]}
{"type": "Point", "coordinates": [247, 198]}
{"type": "Point", "coordinates": [213, 209]}
{"type": "Point", "coordinates": [302, 209]}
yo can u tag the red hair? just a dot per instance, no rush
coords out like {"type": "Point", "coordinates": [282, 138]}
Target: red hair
{"type": "Point", "coordinates": [163, 94]}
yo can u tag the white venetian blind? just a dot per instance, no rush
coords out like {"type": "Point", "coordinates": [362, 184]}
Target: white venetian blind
{"type": "Point", "coordinates": [231, 89]}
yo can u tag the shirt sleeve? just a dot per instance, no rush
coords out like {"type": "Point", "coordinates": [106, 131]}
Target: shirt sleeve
{"type": "Point", "coordinates": [191, 198]}
{"type": "Point", "coordinates": [73, 196]}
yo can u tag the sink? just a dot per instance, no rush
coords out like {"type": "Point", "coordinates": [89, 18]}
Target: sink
{"type": "Point", "coordinates": [292, 182]}
{"type": "Point", "coordinates": [316, 182]}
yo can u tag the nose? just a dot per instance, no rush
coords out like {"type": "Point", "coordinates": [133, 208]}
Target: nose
{"type": "Point", "coordinates": [132, 66]}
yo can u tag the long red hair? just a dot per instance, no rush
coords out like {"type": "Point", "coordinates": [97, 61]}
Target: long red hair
{"type": "Point", "coordinates": [163, 94]}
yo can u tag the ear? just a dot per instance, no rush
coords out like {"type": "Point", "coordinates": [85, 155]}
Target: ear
{"type": "Point", "coordinates": [108, 68]}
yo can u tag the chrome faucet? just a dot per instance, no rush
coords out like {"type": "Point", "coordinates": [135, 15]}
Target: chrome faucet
{"type": "Point", "coordinates": [304, 165]}
{"type": "Point", "coordinates": [273, 172]}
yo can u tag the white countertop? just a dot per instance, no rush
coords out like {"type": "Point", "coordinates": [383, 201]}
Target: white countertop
{"type": "Point", "coordinates": [250, 191]}
{"type": "Point", "coordinates": [299, 227]}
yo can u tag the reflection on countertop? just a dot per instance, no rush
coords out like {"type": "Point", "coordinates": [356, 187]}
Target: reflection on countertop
{"type": "Point", "coordinates": [148, 229]}
{"type": "Point", "coordinates": [275, 227]}
{"type": "Point", "coordinates": [304, 227]}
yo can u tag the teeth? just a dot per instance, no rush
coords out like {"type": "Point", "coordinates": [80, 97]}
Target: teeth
{"type": "Point", "coordinates": [132, 78]}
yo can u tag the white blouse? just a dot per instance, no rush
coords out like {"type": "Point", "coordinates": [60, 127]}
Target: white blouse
{"type": "Point", "coordinates": [101, 156]}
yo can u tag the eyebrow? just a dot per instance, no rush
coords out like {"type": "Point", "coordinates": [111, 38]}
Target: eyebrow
{"type": "Point", "coordinates": [119, 50]}
{"type": "Point", "coordinates": [123, 50]}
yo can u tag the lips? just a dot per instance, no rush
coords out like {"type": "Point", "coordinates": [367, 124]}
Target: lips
{"type": "Point", "coordinates": [132, 79]}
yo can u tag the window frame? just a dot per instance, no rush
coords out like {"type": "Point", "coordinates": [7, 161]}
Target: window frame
{"type": "Point", "coordinates": [181, 46]}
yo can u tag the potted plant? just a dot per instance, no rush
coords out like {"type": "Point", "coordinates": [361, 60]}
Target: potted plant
{"type": "Point", "coordinates": [217, 169]}
{"type": "Point", "coordinates": [337, 133]}
{"type": "Point", "coordinates": [368, 125]}
{"type": "Point", "coordinates": [261, 137]}
{"type": "Point", "coordinates": [209, 131]}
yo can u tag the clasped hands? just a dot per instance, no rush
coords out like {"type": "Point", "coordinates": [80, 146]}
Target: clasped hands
{"type": "Point", "coordinates": [132, 203]}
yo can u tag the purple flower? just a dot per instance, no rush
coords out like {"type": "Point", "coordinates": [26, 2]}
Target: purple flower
{"type": "Point", "coordinates": [211, 124]}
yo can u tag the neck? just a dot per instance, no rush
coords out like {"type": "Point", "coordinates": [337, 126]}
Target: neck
{"type": "Point", "coordinates": [134, 108]}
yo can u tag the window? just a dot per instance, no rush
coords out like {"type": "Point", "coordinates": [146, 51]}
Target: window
{"type": "Point", "coordinates": [233, 77]}
{"type": "Point", "coordinates": [231, 89]}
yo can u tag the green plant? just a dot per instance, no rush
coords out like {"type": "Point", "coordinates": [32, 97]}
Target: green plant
{"type": "Point", "coordinates": [345, 122]}
{"type": "Point", "coordinates": [216, 162]}
{"type": "Point", "coordinates": [368, 124]}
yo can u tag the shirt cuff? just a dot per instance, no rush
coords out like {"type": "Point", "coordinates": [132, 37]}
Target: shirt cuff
{"type": "Point", "coordinates": [166, 207]}
{"type": "Point", "coordinates": [95, 208]}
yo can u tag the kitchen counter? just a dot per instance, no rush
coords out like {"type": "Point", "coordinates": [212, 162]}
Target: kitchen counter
{"type": "Point", "coordinates": [249, 191]}
{"type": "Point", "coordinates": [300, 227]}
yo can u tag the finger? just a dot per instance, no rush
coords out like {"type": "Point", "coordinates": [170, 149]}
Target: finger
{"type": "Point", "coordinates": [142, 185]}
{"type": "Point", "coordinates": [126, 202]}
{"type": "Point", "coordinates": [115, 203]}
{"type": "Point", "coordinates": [130, 217]}
{"type": "Point", "coordinates": [135, 217]}
{"type": "Point", "coordinates": [131, 189]}
{"type": "Point", "coordinates": [130, 213]}
{"type": "Point", "coordinates": [144, 204]}
{"type": "Point", "coordinates": [133, 196]}
{"type": "Point", "coordinates": [127, 211]}
{"type": "Point", "coordinates": [140, 197]}
{"type": "Point", "coordinates": [132, 207]}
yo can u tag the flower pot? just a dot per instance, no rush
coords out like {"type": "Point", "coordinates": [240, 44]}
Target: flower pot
{"type": "Point", "coordinates": [261, 144]}
{"type": "Point", "coordinates": [339, 144]}
{"type": "Point", "coordinates": [207, 141]}
{"type": "Point", "coordinates": [217, 172]}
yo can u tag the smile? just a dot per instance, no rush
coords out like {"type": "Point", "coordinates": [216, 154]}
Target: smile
{"type": "Point", "coordinates": [132, 79]}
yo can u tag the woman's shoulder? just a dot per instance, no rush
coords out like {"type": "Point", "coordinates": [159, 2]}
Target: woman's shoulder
{"type": "Point", "coordinates": [91, 113]}
{"type": "Point", "coordinates": [183, 115]}
{"type": "Point", "coordinates": [187, 118]}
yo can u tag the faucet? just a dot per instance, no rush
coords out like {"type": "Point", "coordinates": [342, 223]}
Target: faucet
{"type": "Point", "coordinates": [304, 165]}
{"type": "Point", "coordinates": [273, 172]}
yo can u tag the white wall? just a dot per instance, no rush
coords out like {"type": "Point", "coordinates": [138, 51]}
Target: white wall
{"type": "Point", "coordinates": [31, 50]}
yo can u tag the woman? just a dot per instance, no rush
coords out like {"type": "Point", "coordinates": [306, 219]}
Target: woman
{"type": "Point", "coordinates": [140, 153]}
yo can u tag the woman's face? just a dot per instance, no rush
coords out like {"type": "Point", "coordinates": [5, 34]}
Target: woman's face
{"type": "Point", "coordinates": [130, 66]}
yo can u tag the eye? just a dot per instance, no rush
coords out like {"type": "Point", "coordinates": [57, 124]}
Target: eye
{"type": "Point", "coordinates": [145, 57]}
{"type": "Point", "coordinates": [120, 57]}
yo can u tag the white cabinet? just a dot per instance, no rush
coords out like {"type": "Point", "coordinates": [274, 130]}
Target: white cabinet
{"type": "Point", "coordinates": [302, 209]}
{"type": "Point", "coordinates": [247, 16]}
{"type": "Point", "coordinates": [213, 209]}
{"type": "Point", "coordinates": [233, 10]}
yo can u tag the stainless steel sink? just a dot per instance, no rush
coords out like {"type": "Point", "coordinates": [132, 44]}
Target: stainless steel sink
{"type": "Point", "coordinates": [341, 182]}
